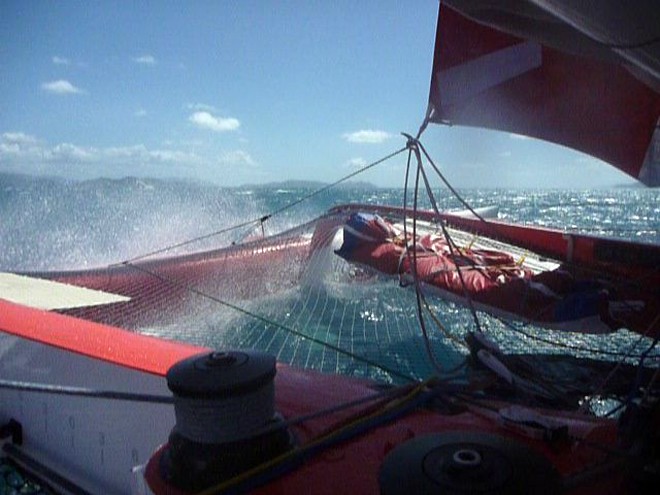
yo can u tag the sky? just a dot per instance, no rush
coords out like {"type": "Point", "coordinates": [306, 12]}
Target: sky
{"type": "Point", "coordinates": [243, 92]}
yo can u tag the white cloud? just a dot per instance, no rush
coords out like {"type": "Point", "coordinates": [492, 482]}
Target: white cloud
{"type": "Point", "coordinates": [17, 144]}
{"type": "Point", "coordinates": [23, 153]}
{"type": "Point", "coordinates": [8, 149]}
{"type": "Point", "coordinates": [367, 136]}
{"type": "Point", "coordinates": [16, 147]}
{"type": "Point", "coordinates": [18, 137]}
{"type": "Point", "coordinates": [205, 120]}
{"type": "Point", "coordinates": [519, 137]}
{"type": "Point", "coordinates": [60, 87]}
{"type": "Point", "coordinates": [238, 157]}
{"type": "Point", "coordinates": [145, 60]}
{"type": "Point", "coordinates": [66, 152]}
{"type": "Point", "coordinates": [61, 60]}
{"type": "Point", "coordinates": [357, 162]}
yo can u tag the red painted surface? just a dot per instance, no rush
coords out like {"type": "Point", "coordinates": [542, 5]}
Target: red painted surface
{"type": "Point", "coordinates": [624, 270]}
{"type": "Point", "coordinates": [616, 255]}
{"type": "Point", "coordinates": [348, 467]}
{"type": "Point", "coordinates": [353, 466]}
{"type": "Point", "coordinates": [95, 340]}
{"type": "Point", "coordinates": [588, 104]}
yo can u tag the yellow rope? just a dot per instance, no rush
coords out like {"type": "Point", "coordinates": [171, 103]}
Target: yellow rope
{"type": "Point", "coordinates": [290, 454]}
{"type": "Point", "coordinates": [442, 328]}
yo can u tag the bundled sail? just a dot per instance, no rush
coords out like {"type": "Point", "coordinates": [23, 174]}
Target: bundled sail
{"type": "Point", "coordinates": [560, 296]}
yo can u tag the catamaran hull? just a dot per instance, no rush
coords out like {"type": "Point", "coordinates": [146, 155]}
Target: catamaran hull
{"type": "Point", "coordinates": [100, 444]}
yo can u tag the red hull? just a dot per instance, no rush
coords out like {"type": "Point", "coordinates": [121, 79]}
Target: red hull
{"type": "Point", "coordinates": [350, 466]}
{"type": "Point", "coordinates": [353, 466]}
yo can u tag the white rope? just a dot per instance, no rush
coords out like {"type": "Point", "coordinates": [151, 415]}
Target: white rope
{"type": "Point", "coordinates": [225, 420]}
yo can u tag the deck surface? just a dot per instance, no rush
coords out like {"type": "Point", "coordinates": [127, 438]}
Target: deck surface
{"type": "Point", "coordinates": [46, 294]}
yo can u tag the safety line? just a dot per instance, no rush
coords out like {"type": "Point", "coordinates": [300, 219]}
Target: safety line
{"type": "Point", "coordinates": [84, 392]}
{"type": "Point", "coordinates": [263, 218]}
{"type": "Point", "coordinates": [263, 319]}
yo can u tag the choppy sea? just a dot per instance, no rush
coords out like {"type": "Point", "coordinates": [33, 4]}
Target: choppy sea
{"type": "Point", "coordinates": [48, 223]}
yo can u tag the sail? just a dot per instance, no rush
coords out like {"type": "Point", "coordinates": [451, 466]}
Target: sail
{"type": "Point", "coordinates": [539, 72]}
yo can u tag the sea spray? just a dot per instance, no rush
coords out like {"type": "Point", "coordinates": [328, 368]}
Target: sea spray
{"type": "Point", "coordinates": [58, 224]}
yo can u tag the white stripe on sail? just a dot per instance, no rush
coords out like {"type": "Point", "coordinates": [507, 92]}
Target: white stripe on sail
{"type": "Point", "coordinates": [463, 82]}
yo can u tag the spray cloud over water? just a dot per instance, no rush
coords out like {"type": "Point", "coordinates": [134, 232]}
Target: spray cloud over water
{"type": "Point", "coordinates": [56, 224]}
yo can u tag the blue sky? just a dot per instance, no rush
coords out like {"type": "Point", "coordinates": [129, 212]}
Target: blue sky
{"type": "Point", "coordinates": [242, 92]}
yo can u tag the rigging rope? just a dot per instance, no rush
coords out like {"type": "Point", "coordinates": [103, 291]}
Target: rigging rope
{"type": "Point", "coordinates": [448, 184]}
{"type": "Point", "coordinates": [637, 383]}
{"type": "Point", "coordinates": [361, 424]}
{"type": "Point", "coordinates": [263, 319]}
{"type": "Point", "coordinates": [420, 314]}
{"type": "Point", "coordinates": [263, 218]}
{"type": "Point", "coordinates": [422, 304]}
{"type": "Point", "coordinates": [564, 345]}
{"type": "Point", "coordinates": [414, 146]}
{"type": "Point", "coordinates": [452, 248]}
{"type": "Point", "coordinates": [84, 392]}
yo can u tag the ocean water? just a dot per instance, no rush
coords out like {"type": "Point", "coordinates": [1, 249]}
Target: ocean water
{"type": "Point", "coordinates": [54, 224]}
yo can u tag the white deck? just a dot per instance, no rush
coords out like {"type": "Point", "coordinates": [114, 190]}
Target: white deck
{"type": "Point", "coordinates": [46, 294]}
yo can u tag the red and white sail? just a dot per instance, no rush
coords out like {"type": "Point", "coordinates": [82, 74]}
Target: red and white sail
{"type": "Point", "coordinates": [555, 72]}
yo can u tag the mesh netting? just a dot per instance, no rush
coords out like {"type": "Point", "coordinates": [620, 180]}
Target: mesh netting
{"type": "Point", "coordinates": [290, 295]}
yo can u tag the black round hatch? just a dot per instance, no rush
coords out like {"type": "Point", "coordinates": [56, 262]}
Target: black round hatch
{"type": "Point", "coordinates": [466, 462]}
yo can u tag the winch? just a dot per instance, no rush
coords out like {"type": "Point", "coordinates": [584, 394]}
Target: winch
{"type": "Point", "coordinates": [226, 422]}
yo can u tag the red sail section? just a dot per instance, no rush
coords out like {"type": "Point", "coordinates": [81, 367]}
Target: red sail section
{"type": "Point", "coordinates": [486, 78]}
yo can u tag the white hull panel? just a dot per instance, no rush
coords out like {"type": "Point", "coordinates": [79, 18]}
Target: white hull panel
{"type": "Point", "coordinates": [93, 442]}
